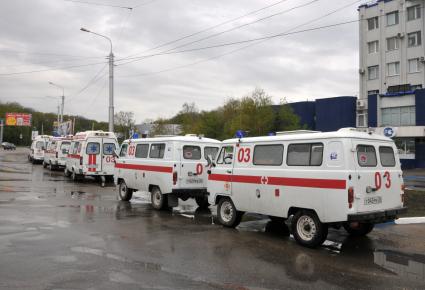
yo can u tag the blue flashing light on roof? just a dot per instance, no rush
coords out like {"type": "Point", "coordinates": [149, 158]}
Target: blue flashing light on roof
{"type": "Point", "coordinates": [135, 136]}
{"type": "Point", "coordinates": [240, 134]}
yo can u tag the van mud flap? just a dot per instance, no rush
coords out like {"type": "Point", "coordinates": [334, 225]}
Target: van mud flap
{"type": "Point", "coordinates": [173, 200]}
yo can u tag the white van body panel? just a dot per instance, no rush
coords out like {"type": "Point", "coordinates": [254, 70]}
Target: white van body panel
{"type": "Point", "coordinates": [57, 151]}
{"type": "Point", "coordinates": [140, 170]}
{"type": "Point", "coordinates": [275, 189]}
{"type": "Point", "coordinates": [38, 147]}
{"type": "Point", "coordinates": [92, 153]}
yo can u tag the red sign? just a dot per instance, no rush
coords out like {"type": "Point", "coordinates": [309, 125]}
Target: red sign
{"type": "Point", "coordinates": [18, 119]}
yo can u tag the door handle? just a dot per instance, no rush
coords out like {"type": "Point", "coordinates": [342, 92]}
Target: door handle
{"type": "Point", "coordinates": [229, 171]}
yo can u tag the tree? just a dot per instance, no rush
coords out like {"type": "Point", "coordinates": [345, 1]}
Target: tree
{"type": "Point", "coordinates": [124, 121]}
{"type": "Point", "coordinates": [287, 119]}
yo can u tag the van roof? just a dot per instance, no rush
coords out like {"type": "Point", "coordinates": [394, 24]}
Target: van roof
{"type": "Point", "coordinates": [341, 133]}
{"type": "Point", "coordinates": [175, 138]}
{"type": "Point", "coordinates": [99, 133]}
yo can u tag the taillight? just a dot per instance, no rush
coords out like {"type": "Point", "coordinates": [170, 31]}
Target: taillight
{"type": "Point", "coordinates": [174, 177]}
{"type": "Point", "coordinates": [403, 187]}
{"type": "Point", "coordinates": [350, 197]}
{"type": "Point", "coordinates": [81, 160]}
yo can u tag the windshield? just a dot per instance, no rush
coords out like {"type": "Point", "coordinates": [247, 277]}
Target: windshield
{"type": "Point", "coordinates": [39, 144]}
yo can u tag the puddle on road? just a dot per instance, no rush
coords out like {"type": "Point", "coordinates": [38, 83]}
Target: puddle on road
{"type": "Point", "coordinates": [409, 266]}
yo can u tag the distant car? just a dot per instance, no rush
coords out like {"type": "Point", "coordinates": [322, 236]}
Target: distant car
{"type": "Point", "coordinates": [8, 146]}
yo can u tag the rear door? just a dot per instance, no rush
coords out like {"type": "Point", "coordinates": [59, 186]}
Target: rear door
{"type": "Point", "coordinates": [379, 179]}
{"type": "Point", "coordinates": [93, 155]}
{"type": "Point", "coordinates": [220, 179]}
{"type": "Point", "coordinates": [107, 155]}
{"type": "Point", "coordinates": [191, 166]}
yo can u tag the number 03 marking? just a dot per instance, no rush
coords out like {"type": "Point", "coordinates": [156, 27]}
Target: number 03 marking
{"type": "Point", "coordinates": [378, 180]}
{"type": "Point", "coordinates": [244, 155]}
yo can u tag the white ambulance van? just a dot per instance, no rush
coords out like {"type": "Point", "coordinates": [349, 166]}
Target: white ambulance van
{"type": "Point", "coordinates": [92, 154]}
{"type": "Point", "coordinates": [167, 167]}
{"type": "Point", "coordinates": [38, 146]}
{"type": "Point", "coordinates": [316, 180]}
{"type": "Point", "coordinates": [56, 152]}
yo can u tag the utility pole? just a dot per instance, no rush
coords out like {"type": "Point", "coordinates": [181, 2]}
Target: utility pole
{"type": "Point", "coordinates": [63, 100]}
{"type": "Point", "coordinates": [1, 130]}
{"type": "Point", "coordinates": [111, 80]}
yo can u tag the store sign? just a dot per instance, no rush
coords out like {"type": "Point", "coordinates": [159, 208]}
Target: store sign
{"type": "Point", "coordinates": [389, 132]}
{"type": "Point", "coordinates": [18, 119]}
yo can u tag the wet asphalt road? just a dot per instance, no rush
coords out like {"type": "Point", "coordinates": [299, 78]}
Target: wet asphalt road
{"type": "Point", "coordinates": [56, 234]}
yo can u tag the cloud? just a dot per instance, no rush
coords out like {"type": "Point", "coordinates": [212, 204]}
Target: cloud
{"type": "Point", "coordinates": [45, 34]}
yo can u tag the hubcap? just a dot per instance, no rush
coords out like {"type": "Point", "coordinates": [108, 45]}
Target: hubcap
{"type": "Point", "coordinates": [306, 228]}
{"type": "Point", "coordinates": [123, 190]}
{"type": "Point", "coordinates": [226, 211]}
{"type": "Point", "coordinates": [157, 198]}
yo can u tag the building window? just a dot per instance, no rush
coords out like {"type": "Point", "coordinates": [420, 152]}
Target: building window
{"type": "Point", "coordinates": [413, 12]}
{"type": "Point", "coordinates": [392, 18]}
{"type": "Point", "coordinates": [362, 120]}
{"type": "Point", "coordinates": [373, 92]}
{"type": "Point", "coordinates": [399, 116]}
{"type": "Point", "coordinates": [413, 65]}
{"type": "Point", "coordinates": [415, 87]}
{"type": "Point", "coordinates": [414, 39]}
{"type": "Point", "coordinates": [372, 23]}
{"type": "Point", "coordinates": [393, 68]}
{"type": "Point", "coordinates": [405, 145]}
{"type": "Point", "coordinates": [373, 46]}
{"type": "Point", "coordinates": [392, 43]}
{"type": "Point", "coordinates": [373, 72]}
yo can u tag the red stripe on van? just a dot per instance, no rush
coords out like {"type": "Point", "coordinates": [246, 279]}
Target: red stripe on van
{"type": "Point", "coordinates": [285, 181]}
{"type": "Point", "coordinates": [154, 168]}
{"type": "Point", "coordinates": [75, 156]}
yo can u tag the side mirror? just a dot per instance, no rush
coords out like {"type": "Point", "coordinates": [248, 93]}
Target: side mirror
{"type": "Point", "coordinates": [228, 159]}
{"type": "Point", "coordinates": [115, 154]}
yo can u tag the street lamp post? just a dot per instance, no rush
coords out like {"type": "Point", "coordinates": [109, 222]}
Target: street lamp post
{"type": "Point", "coordinates": [111, 80]}
{"type": "Point", "coordinates": [63, 100]}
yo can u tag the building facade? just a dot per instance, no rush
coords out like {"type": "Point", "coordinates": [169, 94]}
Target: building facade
{"type": "Point", "coordinates": [392, 75]}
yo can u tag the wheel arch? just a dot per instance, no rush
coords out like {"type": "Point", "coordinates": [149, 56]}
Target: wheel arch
{"type": "Point", "coordinates": [294, 209]}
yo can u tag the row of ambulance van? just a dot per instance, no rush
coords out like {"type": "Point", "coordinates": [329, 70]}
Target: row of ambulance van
{"type": "Point", "coordinates": [307, 181]}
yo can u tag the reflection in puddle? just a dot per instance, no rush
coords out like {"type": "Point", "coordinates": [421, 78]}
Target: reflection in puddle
{"type": "Point", "coordinates": [407, 266]}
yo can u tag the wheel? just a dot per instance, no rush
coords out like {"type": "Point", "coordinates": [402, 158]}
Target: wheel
{"type": "Point", "coordinates": [202, 201]}
{"type": "Point", "coordinates": [51, 167]}
{"type": "Point", "coordinates": [124, 193]}
{"type": "Point", "coordinates": [308, 230]}
{"type": "Point", "coordinates": [66, 172]}
{"type": "Point", "coordinates": [159, 200]}
{"type": "Point", "coordinates": [44, 164]}
{"type": "Point", "coordinates": [74, 176]}
{"type": "Point", "coordinates": [358, 229]}
{"type": "Point", "coordinates": [227, 213]}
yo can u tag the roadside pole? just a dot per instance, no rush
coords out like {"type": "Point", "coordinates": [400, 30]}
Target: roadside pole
{"type": "Point", "coordinates": [1, 130]}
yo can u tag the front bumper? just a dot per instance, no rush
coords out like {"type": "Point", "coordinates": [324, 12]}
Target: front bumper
{"type": "Point", "coordinates": [377, 216]}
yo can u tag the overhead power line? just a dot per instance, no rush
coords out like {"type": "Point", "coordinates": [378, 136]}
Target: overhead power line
{"type": "Point", "coordinates": [209, 28]}
{"type": "Point", "coordinates": [226, 31]}
{"type": "Point", "coordinates": [91, 82]}
{"type": "Point", "coordinates": [99, 4]}
{"type": "Point", "coordinates": [254, 43]}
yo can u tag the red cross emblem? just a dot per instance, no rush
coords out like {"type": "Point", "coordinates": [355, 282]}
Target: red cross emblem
{"type": "Point", "coordinates": [264, 180]}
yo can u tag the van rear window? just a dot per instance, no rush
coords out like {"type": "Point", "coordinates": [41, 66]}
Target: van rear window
{"type": "Point", "coordinates": [108, 148]}
{"type": "Point", "coordinates": [157, 151]}
{"type": "Point", "coordinates": [366, 156]}
{"type": "Point", "coordinates": [386, 154]}
{"type": "Point", "coordinates": [268, 155]}
{"type": "Point", "coordinates": [93, 148]}
{"type": "Point", "coordinates": [305, 154]}
{"type": "Point", "coordinates": [39, 144]}
{"type": "Point", "coordinates": [142, 150]}
{"type": "Point", "coordinates": [192, 152]}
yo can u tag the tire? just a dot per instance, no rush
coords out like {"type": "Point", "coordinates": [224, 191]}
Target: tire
{"type": "Point", "coordinates": [66, 172]}
{"type": "Point", "coordinates": [227, 213]}
{"type": "Point", "coordinates": [74, 176]}
{"type": "Point", "coordinates": [202, 201]}
{"type": "Point", "coordinates": [159, 200]}
{"type": "Point", "coordinates": [124, 193]}
{"type": "Point", "coordinates": [361, 230]}
{"type": "Point", "coordinates": [307, 229]}
{"type": "Point", "coordinates": [44, 164]}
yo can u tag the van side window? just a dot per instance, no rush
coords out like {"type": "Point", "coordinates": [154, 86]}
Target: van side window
{"type": "Point", "coordinates": [366, 156]}
{"type": "Point", "coordinates": [142, 150]}
{"type": "Point", "coordinates": [226, 155]}
{"type": "Point", "coordinates": [192, 152]}
{"type": "Point", "coordinates": [93, 148]}
{"type": "Point", "coordinates": [386, 154]}
{"type": "Point", "coordinates": [210, 151]}
{"type": "Point", "coordinates": [75, 148]}
{"type": "Point", "coordinates": [157, 151]}
{"type": "Point", "coordinates": [123, 151]}
{"type": "Point", "coordinates": [305, 154]}
{"type": "Point", "coordinates": [65, 147]}
{"type": "Point", "coordinates": [108, 148]}
{"type": "Point", "coordinates": [271, 155]}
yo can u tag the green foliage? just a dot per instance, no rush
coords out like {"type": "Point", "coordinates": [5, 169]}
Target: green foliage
{"type": "Point", "coordinates": [254, 113]}
{"type": "Point", "coordinates": [42, 122]}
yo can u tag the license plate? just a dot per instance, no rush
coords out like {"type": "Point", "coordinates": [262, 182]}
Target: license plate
{"type": "Point", "coordinates": [373, 200]}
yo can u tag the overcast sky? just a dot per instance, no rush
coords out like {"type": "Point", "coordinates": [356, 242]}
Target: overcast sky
{"type": "Point", "coordinates": [45, 34]}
